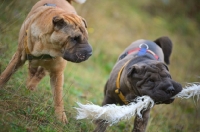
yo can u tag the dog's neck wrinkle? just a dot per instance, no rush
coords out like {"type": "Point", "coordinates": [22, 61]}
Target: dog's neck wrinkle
{"type": "Point", "coordinates": [127, 86]}
{"type": "Point", "coordinates": [130, 87]}
{"type": "Point", "coordinates": [130, 92]}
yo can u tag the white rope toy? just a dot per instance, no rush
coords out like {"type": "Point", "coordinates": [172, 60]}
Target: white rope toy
{"type": "Point", "coordinates": [189, 91]}
{"type": "Point", "coordinates": [113, 113]}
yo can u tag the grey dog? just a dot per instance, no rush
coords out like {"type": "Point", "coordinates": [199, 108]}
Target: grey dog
{"type": "Point", "coordinates": [140, 70]}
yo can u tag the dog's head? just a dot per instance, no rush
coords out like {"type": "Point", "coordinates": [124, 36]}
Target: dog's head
{"type": "Point", "coordinates": [70, 36]}
{"type": "Point", "coordinates": [153, 79]}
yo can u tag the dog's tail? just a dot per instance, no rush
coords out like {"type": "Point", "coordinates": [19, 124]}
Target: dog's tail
{"type": "Point", "coordinates": [166, 44]}
{"type": "Point", "coordinates": [77, 1]}
{"type": "Point", "coordinates": [13, 65]}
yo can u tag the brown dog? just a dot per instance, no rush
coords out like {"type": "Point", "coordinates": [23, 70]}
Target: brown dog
{"type": "Point", "coordinates": [51, 34]}
{"type": "Point", "coordinates": [140, 70]}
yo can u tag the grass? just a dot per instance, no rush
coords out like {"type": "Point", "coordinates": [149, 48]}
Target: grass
{"type": "Point", "coordinates": [112, 26]}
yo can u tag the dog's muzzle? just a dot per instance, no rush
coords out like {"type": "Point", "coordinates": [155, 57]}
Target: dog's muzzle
{"type": "Point", "coordinates": [83, 56]}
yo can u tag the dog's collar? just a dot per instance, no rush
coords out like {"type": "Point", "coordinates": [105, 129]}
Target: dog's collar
{"type": "Point", "coordinates": [117, 91]}
{"type": "Point", "coordinates": [142, 50]}
{"type": "Point", "coordinates": [43, 56]}
{"type": "Point", "coordinates": [29, 56]}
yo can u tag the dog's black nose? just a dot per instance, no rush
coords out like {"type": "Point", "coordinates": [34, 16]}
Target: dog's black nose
{"type": "Point", "coordinates": [170, 90]}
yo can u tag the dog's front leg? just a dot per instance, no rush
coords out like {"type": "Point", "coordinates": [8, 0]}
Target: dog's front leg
{"type": "Point", "coordinates": [101, 125]}
{"type": "Point", "coordinates": [57, 80]}
{"type": "Point", "coordinates": [140, 124]}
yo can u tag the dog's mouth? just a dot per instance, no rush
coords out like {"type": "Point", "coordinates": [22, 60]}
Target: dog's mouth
{"type": "Point", "coordinates": [77, 57]}
{"type": "Point", "coordinates": [164, 102]}
{"type": "Point", "coordinates": [83, 56]}
{"type": "Point", "coordinates": [80, 56]}
{"type": "Point", "coordinates": [164, 99]}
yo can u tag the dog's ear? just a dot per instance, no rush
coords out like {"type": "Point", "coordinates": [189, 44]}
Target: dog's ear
{"type": "Point", "coordinates": [166, 67]}
{"type": "Point", "coordinates": [132, 70]}
{"type": "Point", "coordinates": [58, 22]}
{"type": "Point", "coordinates": [162, 65]}
{"type": "Point", "coordinates": [85, 23]}
{"type": "Point", "coordinates": [166, 44]}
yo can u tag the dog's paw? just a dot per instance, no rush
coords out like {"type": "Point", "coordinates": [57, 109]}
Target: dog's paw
{"type": "Point", "coordinates": [61, 116]}
{"type": "Point", "coordinates": [31, 87]}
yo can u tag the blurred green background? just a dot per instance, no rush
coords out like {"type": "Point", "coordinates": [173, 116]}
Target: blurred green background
{"type": "Point", "coordinates": [112, 26]}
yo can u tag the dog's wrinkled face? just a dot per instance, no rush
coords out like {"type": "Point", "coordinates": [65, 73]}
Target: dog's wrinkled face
{"type": "Point", "coordinates": [71, 38]}
{"type": "Point", "coordinates": [153, 79]}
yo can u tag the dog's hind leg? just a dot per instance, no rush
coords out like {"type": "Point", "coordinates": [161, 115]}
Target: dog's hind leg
{"type": "Point", "coordinates": [13, 65]}
{"type": "Point", "coordinates": [34, 76]}
{"type": "Point", "coordinates": [140, 124]}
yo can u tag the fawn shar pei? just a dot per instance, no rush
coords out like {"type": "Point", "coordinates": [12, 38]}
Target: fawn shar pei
{"type": "Point", "coordinates": [51, 35]}
{"type": "Point", "coordinates": [140, 70]}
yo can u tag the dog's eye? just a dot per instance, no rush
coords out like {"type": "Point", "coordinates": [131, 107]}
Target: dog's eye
{"type": "Point", "coordinates": [150, 81]}
{"type": "Point", "coordinates": [75, 39]}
